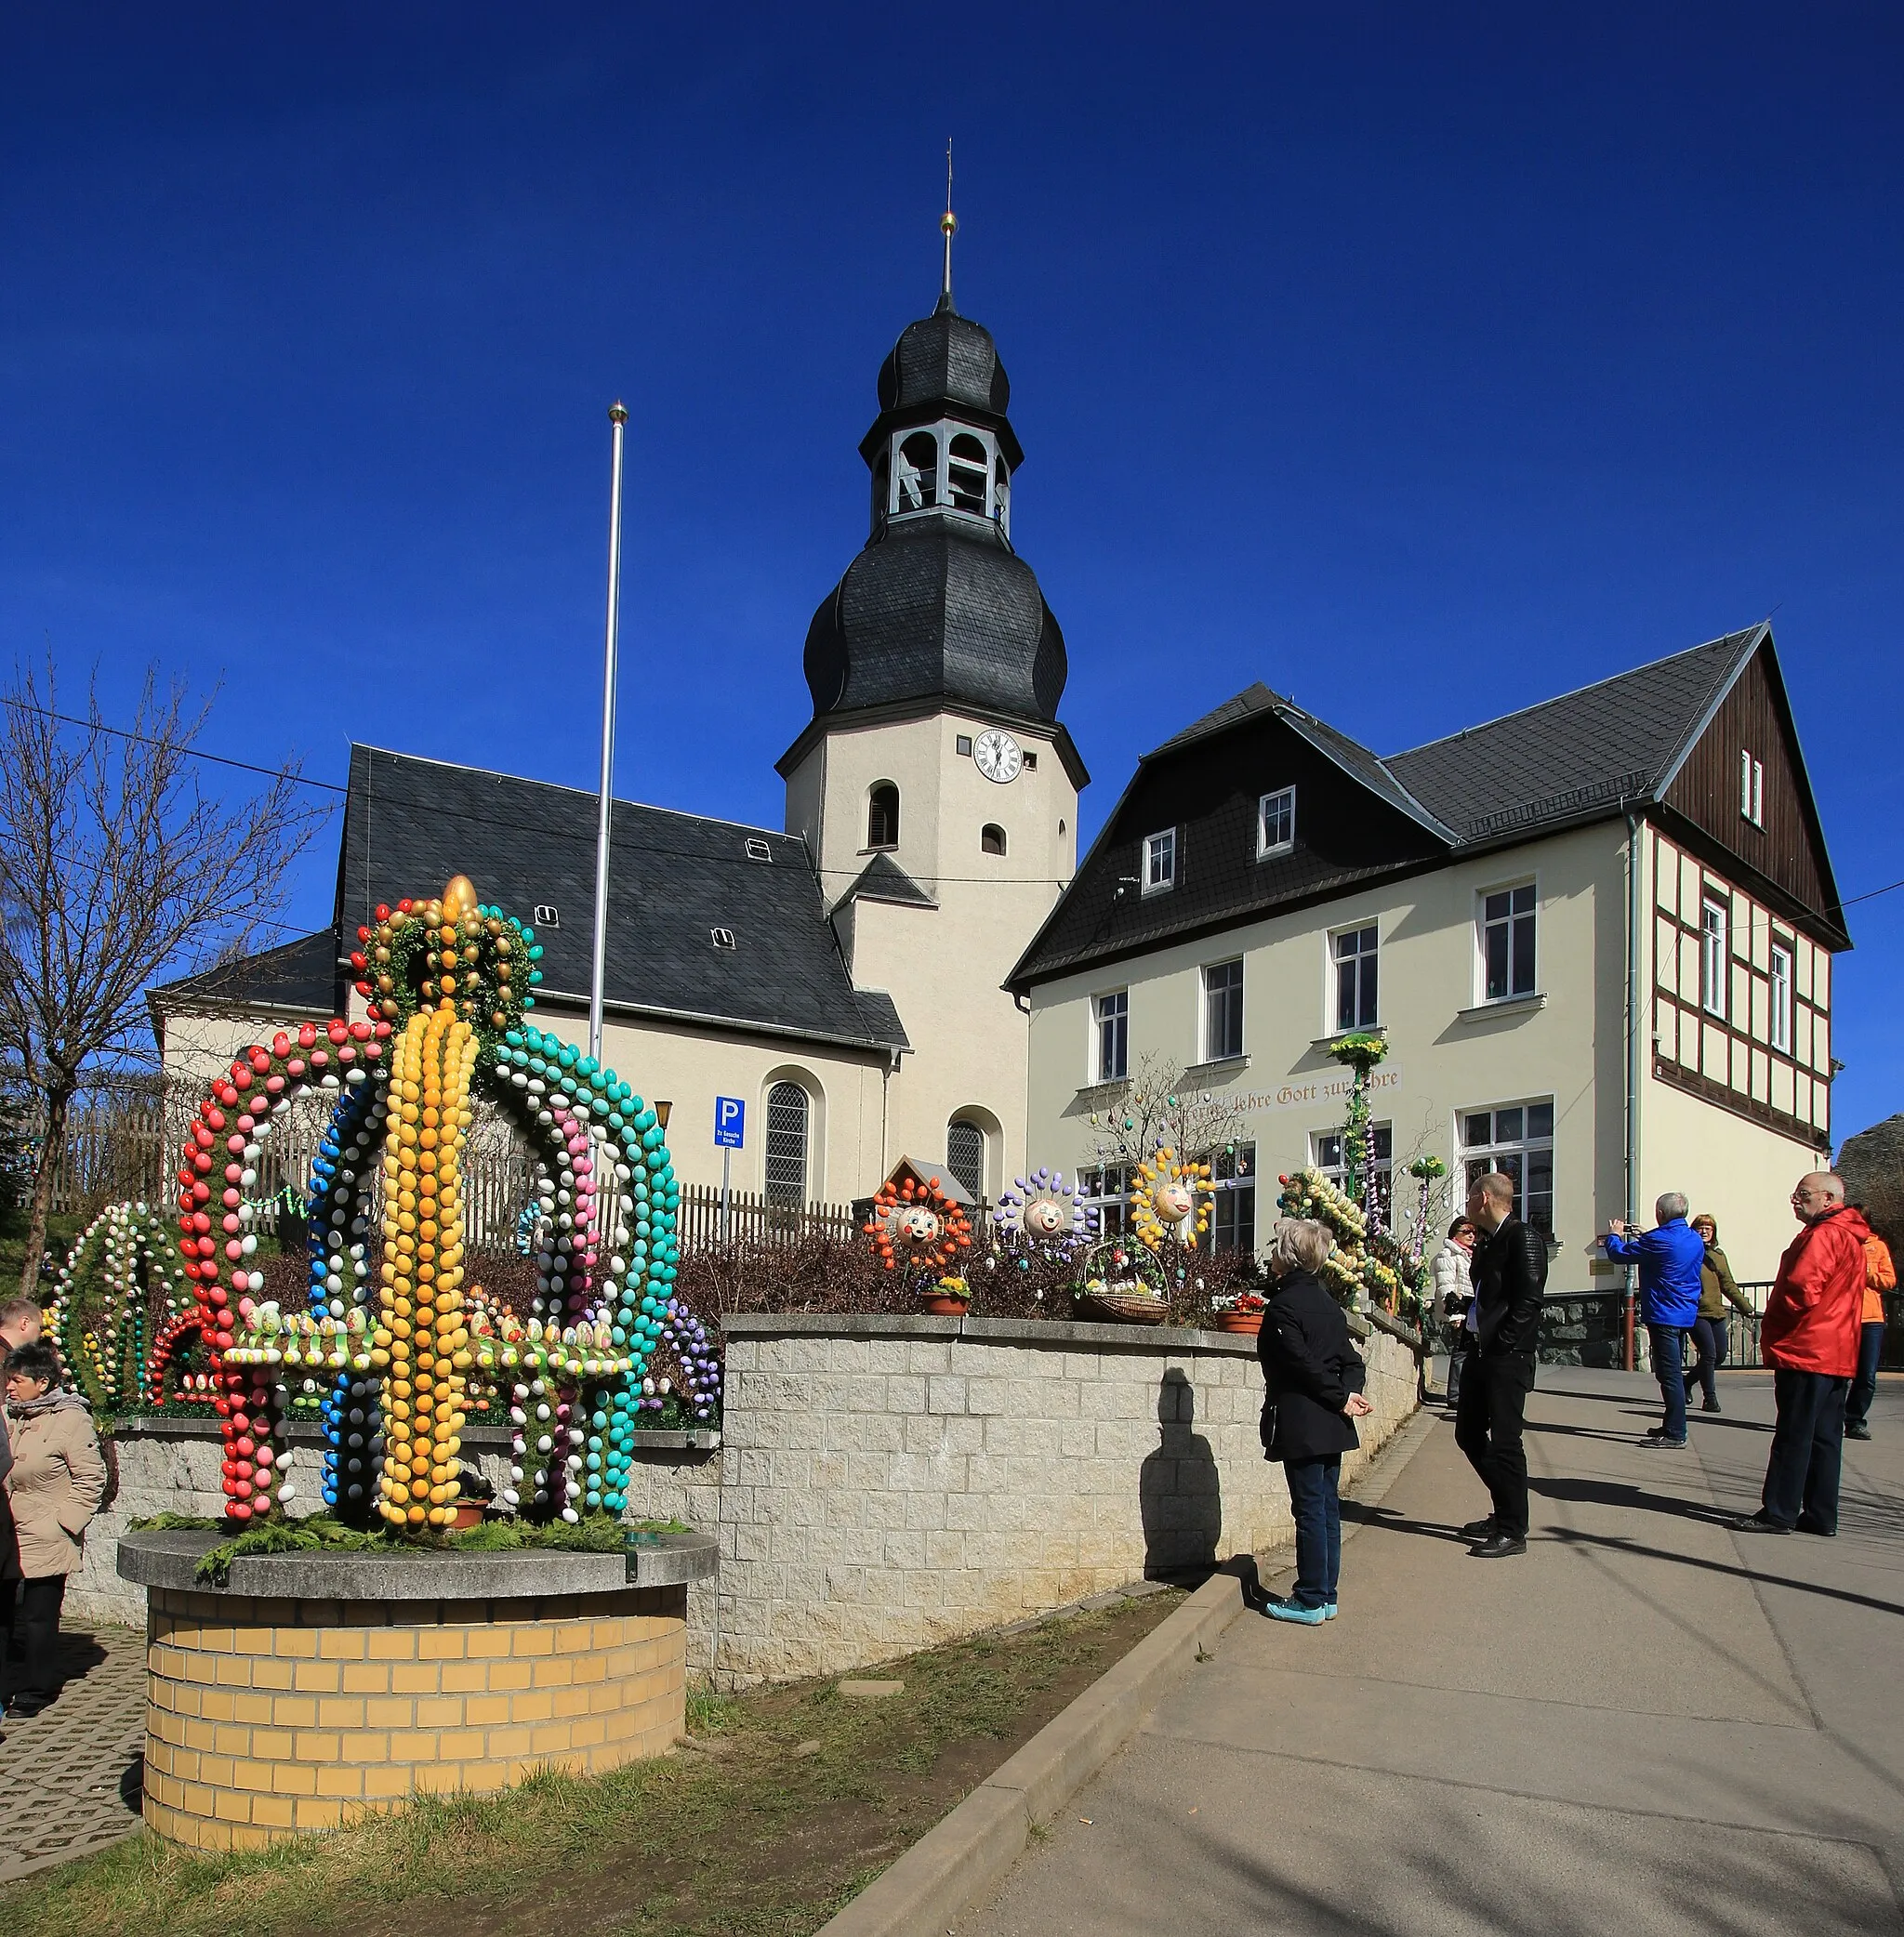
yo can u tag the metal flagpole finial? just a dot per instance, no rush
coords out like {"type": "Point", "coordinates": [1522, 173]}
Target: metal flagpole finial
{"type": "Point", "coordinates": [948, 222]}
{"type": "Point", "coordinates": [617, 412]}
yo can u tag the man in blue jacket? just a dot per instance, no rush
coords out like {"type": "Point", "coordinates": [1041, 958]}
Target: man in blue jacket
{"type": "Point", "coordinates": [1670, 1256]}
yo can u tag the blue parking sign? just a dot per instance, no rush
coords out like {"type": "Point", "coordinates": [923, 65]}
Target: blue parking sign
{"type": "Point", "coordinates": [730, 1123]}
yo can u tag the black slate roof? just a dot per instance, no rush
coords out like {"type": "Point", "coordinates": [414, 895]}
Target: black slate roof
{"type": "Point", "coordinates": [1619, 739]}
{"type": "Point", "coordinates": [1578, 757]}
{"type": "Point", "coordinates": [944, 358]}
{"type": "Point", "coordinates": [882, 879]}
{"type": "Point", "coordinates": [301, 975]}
{"type": "Point", "coordinates": [942, 608]}
{"type": "Point", "coordinates": [409, 824]}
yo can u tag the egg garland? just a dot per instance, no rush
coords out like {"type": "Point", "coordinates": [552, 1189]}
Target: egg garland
{"type": "Point", "coordinates": [1043, 1211]}
{"type": "Point", "coordinates": [916, 1226]}
{"type": "Point", "coordinates": [165, 1363]}
{"type": "Point", "coordinates": [700, 1368]}
{"type": "Point", "coordinates": [218, 1163]}
{"type": "Point", "coordinates": [121, 1279]}
{"type": "Point", "coordinates": [1170, 1199]}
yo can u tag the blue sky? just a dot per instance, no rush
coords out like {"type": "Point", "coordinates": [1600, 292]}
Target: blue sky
{"type": "Point", "coordinates": [1423, 362]}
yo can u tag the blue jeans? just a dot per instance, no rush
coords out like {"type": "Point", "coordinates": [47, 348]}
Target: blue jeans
{"type": "Point", "coordinates": [1669, 1368]}
{"type": "Point", "coordinates": [1317, 1507]}
{"type": "Point", "coordinates": [1870, 1349]}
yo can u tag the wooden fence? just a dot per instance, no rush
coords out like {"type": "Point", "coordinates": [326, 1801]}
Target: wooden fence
{"type": "Point", "coordinates": [753, 1219]}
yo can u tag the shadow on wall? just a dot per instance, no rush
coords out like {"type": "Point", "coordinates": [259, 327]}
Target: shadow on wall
{"type": "Point", "coordinates": [1179, 1491]}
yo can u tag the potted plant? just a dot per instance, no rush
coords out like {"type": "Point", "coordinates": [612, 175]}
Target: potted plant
{"type": "Point", "coordinates": [950, 1298]}
{"type": "Point", "coordinates": [1242, 1312]}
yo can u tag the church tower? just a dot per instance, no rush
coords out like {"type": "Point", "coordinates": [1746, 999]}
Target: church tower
{"type": "Point", "coordinates": [934, 785]}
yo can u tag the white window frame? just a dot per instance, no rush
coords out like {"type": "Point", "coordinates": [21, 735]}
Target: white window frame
{"type": "Point", "coordinates": [1233, 1200]}
{"type": "Point", "coordinates": [1332, 965]}
{"type": "Point", "coordinates": [1281, 804]}
{"type": "Point", "coordinates": [1211, 1050]}
{"type": "Point", "coordinates": [1098, 1019]}
{"type": "Point", "coordinates": [1715, 952]}
{"type": "Point", "coordinates": [1160, 845]}
{"type": "Point", "coordinates": [1752, 788]}
{"type": "Point", "coordinates": [984, 1154]}
{"type": "Point", "coordinates": [1524, 1147]}
{"type": "Point", "coordinates": [1779, 1017]}
{"type": "Point", "coordinates": [1481, 924]}
{"type": "Point", "coordinates": [1105, 1187]}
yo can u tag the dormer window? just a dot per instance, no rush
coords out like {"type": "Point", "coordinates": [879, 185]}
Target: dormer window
{"type": "Point", "coordinates": [1275, 823]}
{"type": "Point", "coordinates": [1160, 861]}
{"type": "Point", "coordinates": [946, 467]}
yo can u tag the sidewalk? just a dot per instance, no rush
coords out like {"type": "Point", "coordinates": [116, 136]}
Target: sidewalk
{"type": "Point", "coordinates": [1648, 1724]}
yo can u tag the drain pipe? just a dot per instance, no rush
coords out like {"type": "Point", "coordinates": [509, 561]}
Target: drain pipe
{"type": "Point", "coordinates": [1634, 912]}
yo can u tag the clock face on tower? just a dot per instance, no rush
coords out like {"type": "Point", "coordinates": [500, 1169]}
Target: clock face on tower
{"type": "Point", "coordinates": [996, 756]}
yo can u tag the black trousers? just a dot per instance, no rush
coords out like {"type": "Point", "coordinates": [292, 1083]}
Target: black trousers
{"type": "Point", "coordinates": [1808, 1449]}
{"type": "Point", "coordinates": [32, 1627]}
{"type": "Point", "coordinates": [1488, 1420]}
{"type": "Point", "coordinates": [1709, 1339]}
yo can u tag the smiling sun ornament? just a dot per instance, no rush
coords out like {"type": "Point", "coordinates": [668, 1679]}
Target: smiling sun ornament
{"type": "Point", "coordinates": [1170, 1198]}
{"type": "Point", "coordinates": [917, 1224]}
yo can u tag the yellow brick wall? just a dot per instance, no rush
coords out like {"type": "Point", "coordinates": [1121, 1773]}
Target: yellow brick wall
{"type": "Point", "coordinates": [269, 1718]}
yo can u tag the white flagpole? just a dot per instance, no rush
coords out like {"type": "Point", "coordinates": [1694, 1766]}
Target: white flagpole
{"type": "Point", "coordinates": [618, 417]}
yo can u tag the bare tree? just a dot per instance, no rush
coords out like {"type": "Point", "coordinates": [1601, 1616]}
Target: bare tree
{"type": "Point", "coordinates": [115, 868]}
{"type": "Point", "coordinates": [1162, 1106]}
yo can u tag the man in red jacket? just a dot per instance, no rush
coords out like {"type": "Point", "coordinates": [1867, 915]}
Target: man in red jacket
{"type": "Point", "coordinates": [1810, 1338]}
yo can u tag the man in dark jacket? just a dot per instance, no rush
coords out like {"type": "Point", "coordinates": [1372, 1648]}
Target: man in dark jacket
{"type": "Point", "coordinates": [1510, 1273]}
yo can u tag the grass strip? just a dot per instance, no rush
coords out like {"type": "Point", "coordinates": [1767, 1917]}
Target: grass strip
{"type": "Point", "coordinates": [797, 1799]}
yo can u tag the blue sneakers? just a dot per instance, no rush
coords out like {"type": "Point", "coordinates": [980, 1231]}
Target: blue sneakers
{"type": "Point", "coordinates": [1277, 1609]}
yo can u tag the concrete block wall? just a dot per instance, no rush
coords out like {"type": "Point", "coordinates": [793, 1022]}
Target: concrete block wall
{"type": "Point", "coordinates": [888, 1484]}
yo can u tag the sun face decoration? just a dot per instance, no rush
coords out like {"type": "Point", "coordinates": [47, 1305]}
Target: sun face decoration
{"type": "Point", "coordinates": [1044, 1211]}
{"type": "Point", "coordinates": [916, 1224]}
{"type": "Point", "coordinates": [1170, 1198]}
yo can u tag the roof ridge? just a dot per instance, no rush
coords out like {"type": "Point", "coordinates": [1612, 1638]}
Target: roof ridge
{"type": "Point", "coordinates": [1575, 691]}
{"type": "Point", "coordinates": [557, 786]}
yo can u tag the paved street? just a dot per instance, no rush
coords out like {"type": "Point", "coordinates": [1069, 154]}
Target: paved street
{"type": "Point", "coordinates": [70, 1778]}
{"type": "Point", "coordinates": [1648, 1724]}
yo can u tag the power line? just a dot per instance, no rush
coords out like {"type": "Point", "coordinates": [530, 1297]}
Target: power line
{"type": "Point", "coordinates": [218, 760]}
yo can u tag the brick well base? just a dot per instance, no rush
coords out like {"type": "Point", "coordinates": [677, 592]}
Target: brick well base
{"type": "Point", "coordinates": [270, 1717]}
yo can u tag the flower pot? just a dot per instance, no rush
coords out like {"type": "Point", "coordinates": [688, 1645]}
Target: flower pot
{"type": "Point", "coordinates": [468, 1514]}
{"type": "Point", "coordinates": [942, 1307]}
{"type": "Point", "coordinates": [1247, 1322]}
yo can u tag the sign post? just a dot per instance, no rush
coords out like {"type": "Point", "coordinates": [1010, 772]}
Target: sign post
{"type": "Point", "coordinates": [730, 1135]}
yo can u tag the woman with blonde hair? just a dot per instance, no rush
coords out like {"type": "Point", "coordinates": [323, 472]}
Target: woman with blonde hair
{"type": "Point", "coordinates": [1711, 1331]}
{"type": "Point", "coordinates": [1314, 1379]}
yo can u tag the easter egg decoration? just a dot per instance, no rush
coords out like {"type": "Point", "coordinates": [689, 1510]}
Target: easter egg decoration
{"type": "Point", "coordinates": [1045, 1213]}
{"type": "Point", "coordinates": [1170, 1199]}
{"type": "Point", "coordinates": [916, 1228]}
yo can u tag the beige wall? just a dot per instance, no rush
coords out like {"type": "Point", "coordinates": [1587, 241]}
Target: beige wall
{"type": "Point", "coordinates": [1441, 1062]}
{"type": "Point", "coordinates": [944, 966]}
{"type": "Point", "coordinates": [201, 1043]}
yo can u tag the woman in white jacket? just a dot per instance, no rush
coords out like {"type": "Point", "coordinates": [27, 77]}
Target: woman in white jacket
{"type": "Point", "coordinates": [1454, 1295]}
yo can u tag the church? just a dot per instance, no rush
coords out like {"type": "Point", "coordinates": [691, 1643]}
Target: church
{"type": "Point", "coordinates": [843, 975]}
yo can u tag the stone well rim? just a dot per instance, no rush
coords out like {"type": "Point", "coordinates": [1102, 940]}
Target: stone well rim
{"type": "Point", "coordinates": [168, 1558]}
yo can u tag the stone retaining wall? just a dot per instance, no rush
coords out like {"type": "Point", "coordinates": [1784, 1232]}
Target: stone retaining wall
{"type": "Point", "coordinates": [888, 1484]}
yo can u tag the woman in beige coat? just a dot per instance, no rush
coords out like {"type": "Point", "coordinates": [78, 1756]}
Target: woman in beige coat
{"type": "Point", "coordinates": [54, 1487]}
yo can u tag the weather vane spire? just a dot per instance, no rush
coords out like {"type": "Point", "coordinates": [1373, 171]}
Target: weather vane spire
{"type": "Point", "coordinates": [948, 222]}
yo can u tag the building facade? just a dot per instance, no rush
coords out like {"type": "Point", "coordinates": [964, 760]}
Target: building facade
{"type": "Point", "coordinates": [1595, 936]}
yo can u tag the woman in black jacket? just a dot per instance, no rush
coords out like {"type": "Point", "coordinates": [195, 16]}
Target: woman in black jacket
{"type": "Point", "coordinates": [1315, 1379]}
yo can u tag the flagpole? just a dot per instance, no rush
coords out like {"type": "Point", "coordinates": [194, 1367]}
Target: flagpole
{"type": "Point", "coordinates": [618, 417]}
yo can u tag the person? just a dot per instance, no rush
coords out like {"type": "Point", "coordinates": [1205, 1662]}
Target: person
{"type": "Point", "coordinates": [1880, 1276]}
{"type": "Point", "coordinates": [54, 1487]}
{"type": "Point", "coordinates": [20, 1324]}
{"type": "Point", "coordinates": [1670, 1257]}
{"type": "Point", "coordinates": [1314, 1377]}
{"type": "Point", "coordinates": [1809, 1337]}
{"type": "Point", "coordinates": [1510, 1273]}
{"type": "Point", "coordinates": [1454, 1299]}
{"type": "Point", "coordinates": [1712, 1331]}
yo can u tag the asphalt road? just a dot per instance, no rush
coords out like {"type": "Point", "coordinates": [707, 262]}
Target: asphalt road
{"type": "Point", "coordinates": [1646, 1724]}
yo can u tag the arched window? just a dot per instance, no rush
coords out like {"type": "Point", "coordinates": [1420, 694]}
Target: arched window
{"type": "Point", "coordinates": [965, 1154]}
{"type": "Point", "coordinates": [788, 1116]}
{"type": "Point", "coordinates": [1001, 495]}
{"type": "Point", "coordinates": [882, 816]}
{"type": "Point", "coordinates": [916, 473]}
{"type": "Point", "coordinates": [966, 468]}
{"type": "Point", "coordinates": [992, 838]}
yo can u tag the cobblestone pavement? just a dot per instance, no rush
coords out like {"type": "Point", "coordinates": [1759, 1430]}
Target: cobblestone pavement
{"type": "Point", "coordinates": [69, 1775]}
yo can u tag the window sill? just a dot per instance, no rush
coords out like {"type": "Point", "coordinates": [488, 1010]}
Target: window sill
{"type": "Point", "coordinates": [1101, 1092]}
{"type": "Point", "coordinates": [1218, 1065]}
{"type": "Point", "coordinates": [1324, 1043]}
{"type": "Point", "coordinates": [1507, 1006]}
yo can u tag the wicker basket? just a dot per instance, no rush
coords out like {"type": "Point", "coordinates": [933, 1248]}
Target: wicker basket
{"type": "Point", "coordinates": [1121, 1309]}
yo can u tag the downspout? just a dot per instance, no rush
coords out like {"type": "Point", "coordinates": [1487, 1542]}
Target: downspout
{"type": "Point", "coordinates": [1633, 1078]}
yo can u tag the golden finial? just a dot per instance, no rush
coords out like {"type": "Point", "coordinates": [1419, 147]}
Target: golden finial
{"type": "Point", "coordinates": [948, 224]}
{"type": "Point", "coordinates": [458, 898]}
